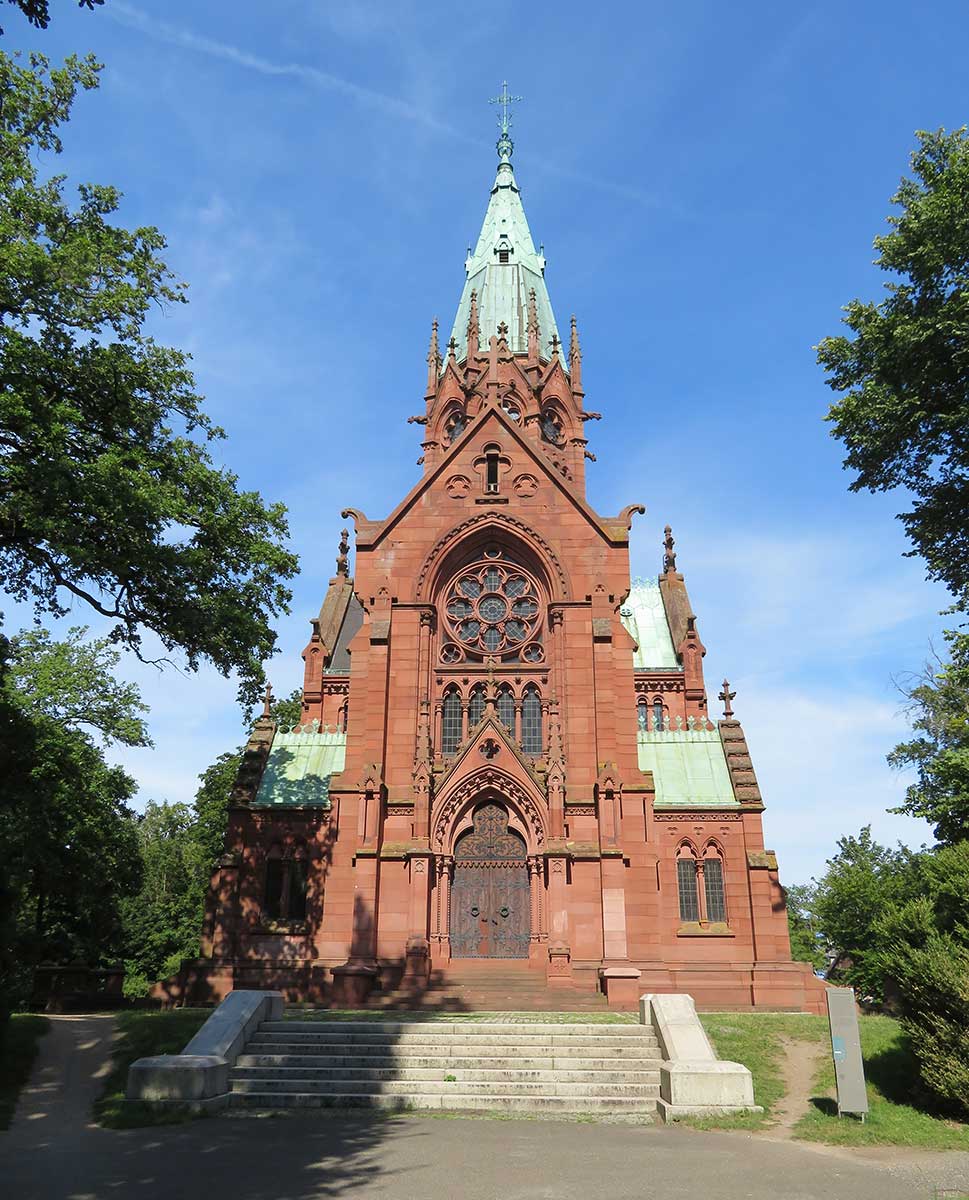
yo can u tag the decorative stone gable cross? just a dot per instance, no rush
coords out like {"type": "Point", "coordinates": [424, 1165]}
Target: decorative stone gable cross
{"type": "Point", "coordinates": [726, 696]}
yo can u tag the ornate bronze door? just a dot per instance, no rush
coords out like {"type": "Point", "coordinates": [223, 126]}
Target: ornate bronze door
{"type": "Point", "coordinates": [490, 898]}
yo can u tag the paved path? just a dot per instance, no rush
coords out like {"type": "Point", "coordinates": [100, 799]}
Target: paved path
{"type": "Point", "coordinates": [73, 1058]}
{"type": "Point", "coordinates": [53, 1153]}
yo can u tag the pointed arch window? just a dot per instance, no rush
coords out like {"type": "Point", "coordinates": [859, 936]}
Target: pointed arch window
{"type": "Point", "coordinates": [476, 704]}
{"type": "Point", "coordinates": [642, 714]}
{"type": "Point", "coordinates": [686, 887]}
{"type": "Point", "coordinates": [285, 886]}
{"type": "Point", "coordinates": [552, 427]}
{"type": "Point", "coordinates": [506, 709]}
{"type": "Point", "coordinates": [451, 719]}
{"type": "Point", "coordinates": [713, 888]}
{"type": "Point", "coordinates": [531, 721]}
{"type": "Point", "coordinates": [658, 723]}
{"type": "Point", "coordinates": [454, 426]}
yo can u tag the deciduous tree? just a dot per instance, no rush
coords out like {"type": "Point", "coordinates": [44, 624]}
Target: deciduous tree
{"type": "Point", "coordinates": [904, 372]}
{"type": "Point", "coordinates": [108, 491]}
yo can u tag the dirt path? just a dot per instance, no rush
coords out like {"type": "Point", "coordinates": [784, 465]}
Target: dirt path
{"type": "Point", "coordinates": [799, 1069]}
{"type": "Point", "coordinates": [67, 1078]}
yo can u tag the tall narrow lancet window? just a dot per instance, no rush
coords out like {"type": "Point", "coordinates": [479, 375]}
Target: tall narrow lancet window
{"type": "Point", "coordinates": [713, 887]}
{"type": "Point", "coordinates": [491, 466]}
{"type": "Point", "coordinates": [657, 716]}
{"type": "Point", "coordinates": [451, 713]}
{"type": "Point", "coordinates": [476, 706]}
{"type": "Point", "coordinates": [506, 709]}
{"type": "Point", "coordinates": [296, 906]}
{"type": "Point", "coordinates": [273, 894]}
{"type": "Point", "coordinates": [532, 721]}
{"type": "Point", "coordinates": [686, 887]}
{"type": "Point", "coordinates": [642, 715]}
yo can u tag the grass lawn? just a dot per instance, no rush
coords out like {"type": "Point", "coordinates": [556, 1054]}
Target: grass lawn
{"type": "Point", "coordinates": [895, 1116]}
{"type": "Point", "coordinates": [18, 1049]}
{"type": "Point", "coordinates": [142, 1034]}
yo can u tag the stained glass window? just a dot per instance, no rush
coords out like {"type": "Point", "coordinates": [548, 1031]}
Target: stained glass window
{"type": "Point", "coordinates": [713, 888]}
{"type": "Point", "coordinates": [297, 890]}
{"type": "Point", "coordinates": [476, 706]}
{"type": "Point", "coordinates": [686, 884]}
{"type": "Point", "coordinates": [493, 608]}
{"type": "Point", "coordinates": [506, 709]}
{"type": "Point", "coordinates": [532, 721]}
{"type": "Point", "coordinates": [451, 714]}
{"type": "Point", "coordinates": [273, 898]}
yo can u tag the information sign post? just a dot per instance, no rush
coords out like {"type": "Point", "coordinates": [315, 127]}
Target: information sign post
{"type": "Point", "coordinates": [849, 1070]}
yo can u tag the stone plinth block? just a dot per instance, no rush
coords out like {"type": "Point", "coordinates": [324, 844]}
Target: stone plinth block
{"type": "Point", "coordinates": [693, 1081]}
{"type": "Point", "coordinates": [196, 1080]}
{"type": "Point", "coordinates": [199, 1076]}
{"type": "Point", "coordinates": [621, 986]}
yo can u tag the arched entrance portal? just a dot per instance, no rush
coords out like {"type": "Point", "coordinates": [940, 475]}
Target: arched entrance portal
{"type": "Point", "coordinates": [490, 897]}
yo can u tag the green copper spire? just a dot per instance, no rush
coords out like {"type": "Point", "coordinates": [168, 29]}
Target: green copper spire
{"type": "Point", "coordinates": [505, 266]}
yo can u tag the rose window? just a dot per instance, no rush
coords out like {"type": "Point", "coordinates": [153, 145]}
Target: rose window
{"type": "Point", "coordinates": [493, 608]}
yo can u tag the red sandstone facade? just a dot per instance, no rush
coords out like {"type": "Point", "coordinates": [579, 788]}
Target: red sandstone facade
{"type": "Point", "coordinates": [491, 802]}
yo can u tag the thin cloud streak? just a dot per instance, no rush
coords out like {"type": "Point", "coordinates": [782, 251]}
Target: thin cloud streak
{"type": "Point", "coordinates": [393, 106]}
{"type": "Point", "coordinates": [134, 18]}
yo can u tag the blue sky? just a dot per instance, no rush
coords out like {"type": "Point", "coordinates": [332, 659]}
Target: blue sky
{"type": "Point", "coordinates": [706, 180]}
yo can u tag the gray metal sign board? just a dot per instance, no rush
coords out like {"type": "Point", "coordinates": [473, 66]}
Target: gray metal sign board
{"type": "Point", "coordinates": [849, 1070]}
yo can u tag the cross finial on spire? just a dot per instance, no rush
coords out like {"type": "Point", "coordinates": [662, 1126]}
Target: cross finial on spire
{"type": "Point", "coordinates": [726, 696]}
{"type": "Point", "coordinates": [669, 554]}
{"type": "Point", "coordinates": [504, 100]}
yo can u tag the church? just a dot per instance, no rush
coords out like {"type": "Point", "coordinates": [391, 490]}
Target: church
{"type": "Point", "coordinates": [509, 763]}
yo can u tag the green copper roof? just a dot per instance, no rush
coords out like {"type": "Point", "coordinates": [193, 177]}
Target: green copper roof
{"type": "Point", "coordinates": [689, 768]}
{"type": "Point", "coordinates": [503, 287]}
{"type": "Point", "coordinates": [644, 616]}
{"type": "Point", "coordinates": [299, 767]}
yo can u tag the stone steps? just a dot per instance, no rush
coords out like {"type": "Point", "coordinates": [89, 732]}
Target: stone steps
{"type": "Point", "coordinates": [489, 1065]}
{"type": "Point", "coordinates": [498, 1102]}
{"type": "Point", "coordinates": [254, 1066]}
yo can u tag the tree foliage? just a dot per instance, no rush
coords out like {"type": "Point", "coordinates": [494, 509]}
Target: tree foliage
{"type": "Point", "coordinates": [67, 843]}
{"type": "Point", "coordinates": [862, 881]}
{"type": "Point", "coordinates": [37, 12]}
{"type": "Point", "coordinates": [72, 682]}
{"type": "Point", "coordinates": [806, 943]}
{"type": "Point", "coordinates": [925, 954]}
{"type": "Point", "coordinates": [163, 921]}
{"type": "Point", "coordinates": [180, 847]}
{"type": "Point", "coordinates": [939, 753]}
{"type": "Point", "coordinates": [904, 417]}
{"type": "Point", "coordinates": [108, 492]}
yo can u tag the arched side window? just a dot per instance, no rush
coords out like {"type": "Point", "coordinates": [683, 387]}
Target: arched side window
{"type": "Point", "coordinates": [272, 901]}
{"type": "Point", "coordinates": [642, 714]}
{"type": "Point", "coordinates": [298, 880]}
{"type": "Point", "coordinates": [451, 714]}
{"type": "Point", "coordinates": [713, 886]}
{"type": "Point", "coordinates": [658, 722]}
{"type": "Point", "coordinates": [476, 704]}
{"type": "Point", "coordinates": [343, 716]}
{"type": "Point", "coordinates": [506, 709]}
{"type": "Point", "coordinates": [686, 881]}
{"type": "Point", "coordinates": [531, 721]}
{"type": "Point", "coordinates": [285, 886]}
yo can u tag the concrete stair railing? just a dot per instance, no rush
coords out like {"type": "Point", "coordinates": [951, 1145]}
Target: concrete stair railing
{"type": "Point", "coordinates": [493, 1065]}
